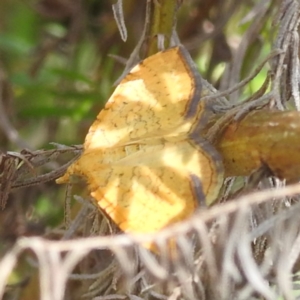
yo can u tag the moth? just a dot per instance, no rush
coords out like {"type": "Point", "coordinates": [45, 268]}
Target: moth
{"type": "Point", "coordinates": [144, 160]}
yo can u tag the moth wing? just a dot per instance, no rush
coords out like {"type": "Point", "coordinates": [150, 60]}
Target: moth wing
{"type": "Point", "coordinates": [153, 187]}
{"type": "Point", "coordinates": [158, 95]}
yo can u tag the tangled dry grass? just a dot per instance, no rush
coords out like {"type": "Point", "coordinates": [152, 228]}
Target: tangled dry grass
{"type": "Point", "coordinates": [246, 246]}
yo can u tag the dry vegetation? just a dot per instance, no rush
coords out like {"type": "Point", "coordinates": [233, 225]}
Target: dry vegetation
{"type": "Point", "coordinates": [56, 74]}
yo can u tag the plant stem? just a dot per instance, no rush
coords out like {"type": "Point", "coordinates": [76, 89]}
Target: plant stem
{"type": "Point", "coordinates": [163, 20]}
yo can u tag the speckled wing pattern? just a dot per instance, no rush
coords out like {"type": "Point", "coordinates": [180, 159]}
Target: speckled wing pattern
{"type": "Point", "coordinates": [142, 166]}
